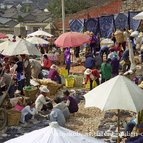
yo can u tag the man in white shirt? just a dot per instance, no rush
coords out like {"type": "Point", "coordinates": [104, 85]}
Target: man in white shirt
{"type": "Point", "coordinates": [40, 103]}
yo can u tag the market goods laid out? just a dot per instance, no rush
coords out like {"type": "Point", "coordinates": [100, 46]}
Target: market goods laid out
{"type": "Point", "coordinates": [52, 86]}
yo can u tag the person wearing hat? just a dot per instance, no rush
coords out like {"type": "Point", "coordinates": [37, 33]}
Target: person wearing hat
{"type": "Point", "coordinates": [71, 102]}
{"type": "Point", "coordinates": [41, 101]}
{"type": "Point", "coordinates": [91, 75]}
{"type": "Point", "coordinates": [54, 75]}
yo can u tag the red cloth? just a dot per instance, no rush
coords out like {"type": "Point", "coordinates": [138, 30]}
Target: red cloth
{"type": "Point", "coordinates": [95, 73]}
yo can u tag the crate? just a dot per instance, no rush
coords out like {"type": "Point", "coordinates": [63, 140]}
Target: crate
{"type": "Point", "coordinates": [69, 82]}
{"type": "Point", "coordinates": [13, 117]}
{"type": "Point", "coordinates": [94, 84]}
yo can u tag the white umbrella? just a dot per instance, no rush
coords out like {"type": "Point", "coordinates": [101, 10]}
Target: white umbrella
{"type": "Point", "coordinates": [138, 16]}
{"type": "Point", "coordinates": [4, 45]}
{"type": "Point", "coordinates": [54, 134]}
{"type": "Point", "coordinates": [40, 33]}
{"type": "Point", "coordinates": [37, 40]}
{"type": "Point", "coordinates": [117, 93]}
{"type": "Point", "coordinates": [21, 47]}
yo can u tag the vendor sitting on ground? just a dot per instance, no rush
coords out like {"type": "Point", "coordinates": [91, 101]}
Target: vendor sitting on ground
{"type": "Point", "coordinates": [60, 104]}
{"type": "Point", "coordinates": [27, 112]}
{"type": "Point", "coordinates": [20, 103]}
{"type": "Point", "coordinates": [54, 75]}
{"type": "Point", "coordinates": [130, 126]}
{"type": "Point", "coordinates": [56, 115]}
{"type": "Point", "coordinates": [71, 102]}
{"type": "Point", "coordinates": [46, 62]}
{"type": "Point", "coordinates": [136, 139]}
{"type": "Point", "coordinates": [42, 99]}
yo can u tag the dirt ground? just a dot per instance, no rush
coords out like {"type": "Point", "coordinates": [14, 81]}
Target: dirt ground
{"type": "Point", "coordinates": [86, 120]}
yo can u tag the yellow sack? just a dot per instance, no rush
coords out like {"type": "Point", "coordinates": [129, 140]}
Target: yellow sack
{"type": "Point", "coordinates": [94, 84]}
{"type": "Point", "coordinates": [63, 72]}
{"type": "Point", "coordinates": [69, 82]}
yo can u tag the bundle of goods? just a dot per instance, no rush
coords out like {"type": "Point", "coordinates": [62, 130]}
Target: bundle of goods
{"type": "Point", "coordinates": [134, 34]}
{"type": "Point", "coordinates": [106, 42]}
{"type": "Point", "coordinates": [119, 36]}
{"type": "Point", "coordinates": [51, 85]}
{"type": "Point", "coordinates": [78, 80]}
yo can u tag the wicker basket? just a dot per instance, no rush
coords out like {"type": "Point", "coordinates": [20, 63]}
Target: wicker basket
{"type": "Point", "coordinates": [119, 36]}
{"type": "Point", "coordinates": [31, 93]}
{"type": "Point", "coordinates": [13, 117]}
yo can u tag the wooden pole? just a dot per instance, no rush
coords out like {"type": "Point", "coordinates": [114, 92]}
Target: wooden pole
{"type": "Point", "coordinates": [63, 15]}
{"type": "Point", "coordinates": [118, 140]}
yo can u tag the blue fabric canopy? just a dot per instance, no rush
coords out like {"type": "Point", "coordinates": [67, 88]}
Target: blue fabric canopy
{"type": "Point", "coordinates": [121, 21]}
{"type": "Point", "coordinates": [76, 25]}
{"type": "Point", "coordinates": [92, 25]}
{"type": "Point", "coordinates": [106, 25]}
{"type": "Point", "coordinates": [134, 24]}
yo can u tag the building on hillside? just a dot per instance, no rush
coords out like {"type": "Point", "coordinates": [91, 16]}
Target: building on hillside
{"type": "Point", "coordinates": [33, 20]}
{"type": "Point", "coordinates": [7, 22]}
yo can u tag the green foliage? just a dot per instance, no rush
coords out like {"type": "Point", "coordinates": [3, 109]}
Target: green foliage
{"type": "Point", "coordinates": [71, 6]}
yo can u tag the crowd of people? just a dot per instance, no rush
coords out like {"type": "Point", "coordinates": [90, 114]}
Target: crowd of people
{"type": "Point", "coordinates": [102, 62]}
{"type": "Point", "coordinates": [106, 60]}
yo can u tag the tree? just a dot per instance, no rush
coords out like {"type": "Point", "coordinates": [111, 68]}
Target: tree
{"type": "Point", "coordinates": [71, 6]}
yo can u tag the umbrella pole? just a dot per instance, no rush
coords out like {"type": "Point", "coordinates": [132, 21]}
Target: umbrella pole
{"type": "Point", "coordinates": [118, 139]}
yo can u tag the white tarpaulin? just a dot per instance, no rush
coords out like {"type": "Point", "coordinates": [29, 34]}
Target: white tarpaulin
{"type": "Point", "coordinates": [21, 47]}
{"type": "Point", "coordinates": [117, 93]}
{"type": "Point", "coordinates": [54, 134]}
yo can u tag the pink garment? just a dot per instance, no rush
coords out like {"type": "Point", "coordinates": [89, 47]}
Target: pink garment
{"type": "Point", "coordinates": [18, 107]}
